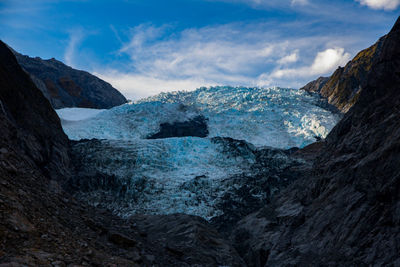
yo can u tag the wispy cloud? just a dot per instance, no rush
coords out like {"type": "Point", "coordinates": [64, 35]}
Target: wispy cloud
{"type": "Point", "coordinates": [300, 2]}
{"type": "Point", "coordinates": [325, 62]}
{"type": "Point", "coordinates": [162, 59]}
{"type": "Point", "coordinates": [381, 4]}
{"type": "Point", "coordinates": [75, 38]}
{"type": "Point", "coordinates": [268, 3]}
{"type": "Point", "coordinates": [136, 86]}
{"type": "Point", "coordinates": [291, 58]}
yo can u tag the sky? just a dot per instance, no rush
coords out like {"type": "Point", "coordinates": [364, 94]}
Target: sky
{"type": "Point", "coordinates": [143, 47]}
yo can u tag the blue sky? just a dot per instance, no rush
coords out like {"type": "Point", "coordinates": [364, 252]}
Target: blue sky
{"type": "Point", "coordinates": [143, 47]}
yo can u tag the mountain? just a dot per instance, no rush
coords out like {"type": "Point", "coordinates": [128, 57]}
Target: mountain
{"type": "Point", "coordinates": [118, 200]}
{"type": "Point", "coordinates": [65, 87]}
{"type": "Point", "coordinates": [348, 212]}
{"type": "Point", "coordinates": [42, 225]}
{"type": "Point", "coordinates": [30, 126]}
{"type": "Point", "coordinates": [343, 88]}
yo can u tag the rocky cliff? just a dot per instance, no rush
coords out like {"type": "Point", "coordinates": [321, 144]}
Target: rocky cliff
{"type": "Point", "coordinates": [343, 88]}
{"type": "Point", "coordinates": [348, 212]}
{"type": "Point", "coordinates": [64, 86]}
{"type": "Point", "coordinates": [29, 123]}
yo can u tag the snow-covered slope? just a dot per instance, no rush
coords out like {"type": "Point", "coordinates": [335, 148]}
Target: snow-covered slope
{"type": "Point", "coordinates": [274, 117]}
{"type": "Point", "coordinates": [77, 114]}
{"type": "Point", "coordinates": [193, 175]}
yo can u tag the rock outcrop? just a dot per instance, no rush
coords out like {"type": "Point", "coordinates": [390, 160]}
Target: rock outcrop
{"type": "Point", "coordinates": [348, 211]}
{"type": "Point", "coordinates": [316, 85]}
{"type": "Point", "coordinates": [65, 87]}
{"type": "Point", "coordinates": [343, 88]}
{"type": "Point", "coordinates": [196, 126]}
{"type": "Point", "coordinates": [29, 122]}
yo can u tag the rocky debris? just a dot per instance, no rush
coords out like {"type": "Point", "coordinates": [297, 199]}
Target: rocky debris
{"type": "Point", "coordinates": [347, 212]}
{"type": "Point", "coordinates": [196, 126]}
{"type": "Point", "coordinates": [273, 170]}
{"type": "Point", "coordinates": [185, 240]}
{"type": "Point", "coordinates": [344, 87]}
{"type": "Point", "coordinates": [65, 87]}
{"type": "Point", "coordinates": [121, 240]}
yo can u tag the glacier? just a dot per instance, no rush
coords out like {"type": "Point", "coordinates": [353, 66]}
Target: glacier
{"type": "Point", "coordinates": [275, 117]}
{"type": "Point", "coordinates": [189, 174]}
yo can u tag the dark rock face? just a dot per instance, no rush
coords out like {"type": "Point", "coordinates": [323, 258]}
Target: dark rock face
{"type": "Point", "coordinates": [185, 240]}
{"type": "Point", "coordinates": [39, 224]}
{"type": "Point", "coordinates": [343, 88]}
{"type": "Point", "coordinates": [30, 125]}
{"type": "Point", "coordinates": [193, 127]}
{"type": "Point", "coordinates": [347, 211]}
{"type": "Point", "coordinates": [65, 87]}
{"type": "Point", "coordinates": [316, 85]}
{"type": "Point", "coordinates": [273, 170]}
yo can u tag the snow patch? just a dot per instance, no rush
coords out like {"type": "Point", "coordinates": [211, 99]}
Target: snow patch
{"type": "Point", "coordinates": [77, 114]}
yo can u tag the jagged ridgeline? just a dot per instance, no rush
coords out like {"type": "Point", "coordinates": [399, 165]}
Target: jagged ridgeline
{"type": "Point", "coordinates": [65, 87]}
{"type": "Point", "coordinates": [344, 87]}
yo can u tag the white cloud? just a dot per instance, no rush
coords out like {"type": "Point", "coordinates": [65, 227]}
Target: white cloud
{"type": "Point", "coordinates": [162, 59]}
{"type": "Point", "coordinates": [190, 59]}
{"type": "Point", "coordinates": [75, 37]}
{"type": "Point", "coordinates": [324, 63]}
{"type": "Point", "coordinates": [194, 52]}
{"type": "Point", "coordinates": [136, 86]}
{"type": "Point", "coordinates": [261, 4]}
{"type": "Point", "coordinates": [381, 4]}
{"type": "Point", "coordinates": [291, 58]}
{"type": "Point", "coordinates": [299, 2]}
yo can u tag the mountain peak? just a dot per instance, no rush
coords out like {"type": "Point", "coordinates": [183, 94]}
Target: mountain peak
{"type": "Point", "coordinates": [64, 86]}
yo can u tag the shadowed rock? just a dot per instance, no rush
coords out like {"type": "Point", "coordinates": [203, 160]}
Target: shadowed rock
{"type": "Point", "coordinates": [65, 87]}
{"type": "Point", "coordinates": [193, 127]}
{"type": "Point", "coordinates": [346, 212]}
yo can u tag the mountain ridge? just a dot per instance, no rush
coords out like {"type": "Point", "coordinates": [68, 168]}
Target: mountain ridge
{"type": "Point", "coordinates": [65, 86]}
{"type": "Point", "coordinates": [342, 89]}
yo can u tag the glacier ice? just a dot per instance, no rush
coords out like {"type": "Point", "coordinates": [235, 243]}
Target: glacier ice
{"type": "Point", "coordinates": [78, 114]}
{"type": "Point", "coordinates": [275, 117]}
{"type": "Point", "coordinates": [175, 174]}
{"type": "Point", "coordinates": [191, 174]}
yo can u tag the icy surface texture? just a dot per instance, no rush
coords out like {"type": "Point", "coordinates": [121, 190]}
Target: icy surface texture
{"type": "Point", "coordinates": [164, 175]}
{"type": "Point", "coordinates": [192, 175]}
{"type": "Point", "coordinates": [275, 117]}
{"type": "Point", "coordinates": [213, 177]}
